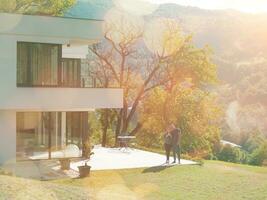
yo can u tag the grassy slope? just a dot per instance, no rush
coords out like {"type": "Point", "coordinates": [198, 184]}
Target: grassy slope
{"type": "Point", "coordinates": [214, 180]}
{"type": "Point", "coordinates": [13, 188]}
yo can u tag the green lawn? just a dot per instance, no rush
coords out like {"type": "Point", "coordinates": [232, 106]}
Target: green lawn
{"type": "Point", "coordinates": [214, 180]}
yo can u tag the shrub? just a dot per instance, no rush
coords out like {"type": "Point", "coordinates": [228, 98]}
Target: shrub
{"type": "Point", "coordinates": [232, 154]}
{"type": "Point", "coordinates": [259, 155]}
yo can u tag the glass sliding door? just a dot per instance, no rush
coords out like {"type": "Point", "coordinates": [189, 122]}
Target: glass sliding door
{"type": "Point", "coordinates": [54, 130]}
{"type": "Point", "coordinates": [32, 136]}
{"type": "Point", "coordinates": [48, 135]}
{"type": "Point", "coordinates": [74, 128]}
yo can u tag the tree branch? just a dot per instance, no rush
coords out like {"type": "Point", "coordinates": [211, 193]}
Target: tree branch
{"type": "Point", "coordinates": [108, 64]}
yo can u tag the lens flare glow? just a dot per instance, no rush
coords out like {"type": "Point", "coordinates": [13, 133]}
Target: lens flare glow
{"type": "Point", "coordinates": [232, 116]}
{"type": "Point", "coordinates": [136, 7]}
{"type": "Point", "coordinates": [122, 27]}
{"type": "Point", "coordinates": [163, 36]}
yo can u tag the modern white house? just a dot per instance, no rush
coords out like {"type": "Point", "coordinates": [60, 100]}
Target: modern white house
{"type": "Point", "coordinates": [44, 94]}
{"type": "Point", "coordinates": [231, 144]}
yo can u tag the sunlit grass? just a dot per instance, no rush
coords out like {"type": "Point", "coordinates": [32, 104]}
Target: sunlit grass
{"type": "Point", "coordinates": [214, 180]}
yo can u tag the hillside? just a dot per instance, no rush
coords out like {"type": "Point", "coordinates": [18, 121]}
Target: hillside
{"type": "Point", "coordinates": [239, 43]}
{"type": "Point", "coordinates": [14, 188]}
{"type": "Point", "coordinates": [235, 37]}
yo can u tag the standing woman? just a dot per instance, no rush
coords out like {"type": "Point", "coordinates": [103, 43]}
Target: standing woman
{"type": "Point", "coordinates": [167, 145]}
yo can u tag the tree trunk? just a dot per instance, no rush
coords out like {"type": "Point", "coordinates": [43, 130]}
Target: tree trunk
{"type": "Point", "coordinates": [118, 127]}
{"type": "Point", "coordinates": [104, 136]}
{"type": "Point", "coordinates": [124, 117]}
{"type": "Point", "coordinates": [86, 145]}
{"type": "Point", "coordinates": [140, 94]}
{"type": "Point", "coordinates": [105, 128]}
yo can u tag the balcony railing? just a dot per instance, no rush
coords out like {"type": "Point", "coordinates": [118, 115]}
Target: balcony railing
{"type": "Point", "coordinates": [85, 82]}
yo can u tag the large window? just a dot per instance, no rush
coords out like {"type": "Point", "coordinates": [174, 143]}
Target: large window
{"type": "Point", "coordinates": [38, 64]}
{"type": "Point", "coordinates": [46, 135]}
{"type": "Point", "coordinates": [71, 72]}
{"type": "Point", "coordinates": [42, 65]}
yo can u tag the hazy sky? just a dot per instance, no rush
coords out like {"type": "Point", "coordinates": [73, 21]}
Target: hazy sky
{"type": "Point", "coordinates": [252, 6]}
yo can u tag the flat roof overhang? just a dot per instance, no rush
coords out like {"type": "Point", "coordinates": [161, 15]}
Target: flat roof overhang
{"type": "Point", "coordinates": [76, 31]}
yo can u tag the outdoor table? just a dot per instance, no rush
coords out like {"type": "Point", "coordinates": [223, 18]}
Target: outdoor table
{"type": "Point", "coordinates": [124, 141]}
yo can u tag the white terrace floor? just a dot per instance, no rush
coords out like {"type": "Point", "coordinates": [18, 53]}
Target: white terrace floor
{"type": "Point", "coordinates": [103, 159]}
{"type": "Point", "coordinates": [115, 158]}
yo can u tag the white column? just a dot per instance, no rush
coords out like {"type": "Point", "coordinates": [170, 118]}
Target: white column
{"type": "Point", "coordinates": [63, 129]}
{"type": "Point", "coordinates": [8, 137]}
{"type": "Point", "coordinates": [39, 132]}
{"type": "Point", "coordinates": [56, 131]}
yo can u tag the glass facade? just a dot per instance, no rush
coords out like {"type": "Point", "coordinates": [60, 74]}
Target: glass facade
{"type": "Point", "coordinates": [42, 65]}
{"type": "Point", "coordinates": [48, 135]}
{"type": "Point", "coordinates": [71, 72]}
{"type": "Point", "coordinates": [38, 64]}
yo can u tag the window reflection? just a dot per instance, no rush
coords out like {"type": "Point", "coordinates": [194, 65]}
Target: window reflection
{"type": "Point", "coordinates": [46, 135]}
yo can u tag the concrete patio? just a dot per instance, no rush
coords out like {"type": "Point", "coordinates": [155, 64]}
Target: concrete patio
{"type": "Point", "coordinates": [115, 158]}
{"type": "Point", "coordinates": [103, 159]}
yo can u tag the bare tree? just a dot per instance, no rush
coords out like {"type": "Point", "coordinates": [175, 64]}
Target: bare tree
{"type": "Point", "coordinates": [131, 65]}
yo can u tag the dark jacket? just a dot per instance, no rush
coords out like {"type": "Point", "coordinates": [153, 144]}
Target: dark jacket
{"type": "Point", "coordinates": [176, 136]}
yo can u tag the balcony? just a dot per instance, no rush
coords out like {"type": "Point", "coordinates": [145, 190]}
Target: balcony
{"type": "Point", "coordinates": [40, 71]}
{"type": "Point", "coordinates": [43, 65]}
{"type": "Point", "coordinates": [47, 82]}
{"type": "Point", "coordinates": [60, 99]}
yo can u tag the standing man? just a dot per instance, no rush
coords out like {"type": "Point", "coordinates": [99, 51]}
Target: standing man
{"type": "Point", "coordinates": [167, 145]}
{"type": "Point", "coordinates": [176, 142]}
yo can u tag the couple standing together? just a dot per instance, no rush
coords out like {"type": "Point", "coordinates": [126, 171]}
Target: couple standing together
{"type": "Point", "coordinates": [172, 140]}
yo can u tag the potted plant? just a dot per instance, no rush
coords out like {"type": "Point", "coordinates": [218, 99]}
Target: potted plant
{"type": "Point", "coordinates": [86, 153]}
{"type": "Point", "coordinates": [84, 170]}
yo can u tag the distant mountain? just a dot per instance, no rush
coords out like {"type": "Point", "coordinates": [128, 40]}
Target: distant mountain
{"type": "Point", "coordinates": [89, 9]}
{"type": "Point", "coordinates": [239, 40]}
{"type": "Point", "coordinates": [234, 36]}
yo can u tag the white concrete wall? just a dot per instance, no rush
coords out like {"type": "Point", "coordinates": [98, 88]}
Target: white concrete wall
{"type": "Point", "coordinates": [72, 29]}
{"type": "Point", "coordinates": [7, 137]}
{"type": "Point", "coordinates": [46, 99]}
{"type": "Point", "coordinates": [59, 99]}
